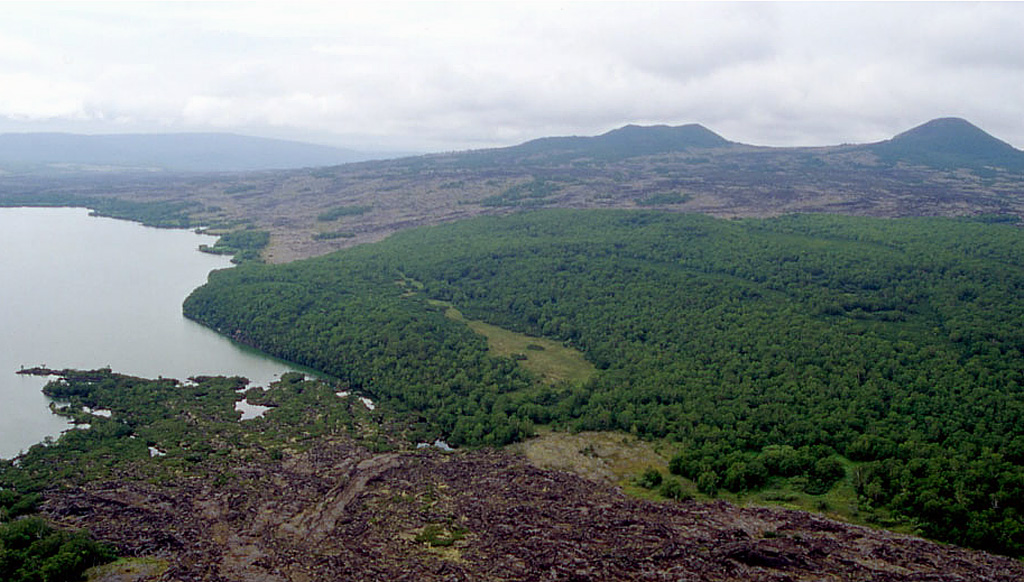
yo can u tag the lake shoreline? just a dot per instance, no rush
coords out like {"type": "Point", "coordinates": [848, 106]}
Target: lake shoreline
{"type": "Point", "coordinates": [87, 292]}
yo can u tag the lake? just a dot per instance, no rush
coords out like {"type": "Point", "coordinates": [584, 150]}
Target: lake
{"type": "Point", "coordinates": [78, 291]}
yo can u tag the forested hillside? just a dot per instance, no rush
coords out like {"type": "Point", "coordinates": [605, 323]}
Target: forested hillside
{"type": "Point", "coordinates": [768, 349]}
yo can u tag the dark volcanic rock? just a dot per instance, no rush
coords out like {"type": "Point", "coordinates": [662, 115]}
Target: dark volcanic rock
{"type": "Point", "coordinates": [342, 513]}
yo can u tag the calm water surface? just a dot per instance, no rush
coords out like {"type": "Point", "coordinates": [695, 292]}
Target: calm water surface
{"type": "Point", "coordinates": [83, 292]}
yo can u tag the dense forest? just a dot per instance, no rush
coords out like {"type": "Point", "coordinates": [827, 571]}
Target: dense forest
{"type": "Point", "coordinates": [798, 348]}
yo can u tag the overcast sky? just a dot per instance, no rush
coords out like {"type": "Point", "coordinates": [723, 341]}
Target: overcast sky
{"type": "Point", "coordinates": [445, 76]}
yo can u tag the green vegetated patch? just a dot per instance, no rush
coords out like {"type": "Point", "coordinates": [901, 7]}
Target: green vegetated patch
{"type": "Point", "coordinates": [550, 360]}
{"type": "Point", "coordinates": [342, 211]}
{"type": "Point", "coordinates": [642, 468]}
{"type": "Point", "coordinates": [335, 234]}
{"type": "Point", "coordinates": [165, 428]}
{"type": "Point", "coordinates": [527, 194]}
{"type": "Point", "coordinates": [129, 569]}
{"type": "Point", "coordinates": [244, 245]}
{"type": "Point", "coordinates": [32, 551]}
{"type": "Point", "coordinates": [163, 214]}
{"type": "Point", "coordinates": [440, 536]}
{"type": "Point", "coordinates": [665, 199]}
{"type": "Point", "coordinates": [240, 190]}
{"type": "Point", "coordinates": [840, 501]}
{"type": "Point", "coordinates": [766, 350]}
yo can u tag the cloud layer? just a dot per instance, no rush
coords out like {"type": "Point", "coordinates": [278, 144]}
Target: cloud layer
{"type": "Point", "coordinates": [426, 76]}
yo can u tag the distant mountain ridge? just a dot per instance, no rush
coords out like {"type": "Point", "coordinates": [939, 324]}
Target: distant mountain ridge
{"type": "Point", "coordinates": [634, 140]}
{"type": "Point", "coordinates": [949, 142]}
{"type": "Point", "coordinates": [944, 143]}
{"type": "Point", "coordinates": [189, 152]}
{"type": "Point", "coordinates": [618, 144]}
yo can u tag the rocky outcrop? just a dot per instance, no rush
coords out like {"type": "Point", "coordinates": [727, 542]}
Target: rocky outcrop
{"type": "Point", "coordinates": [339, 512]}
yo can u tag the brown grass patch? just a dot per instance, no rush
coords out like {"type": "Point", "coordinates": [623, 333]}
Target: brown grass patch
{"type": "Point", "coordinates": [610, 457]}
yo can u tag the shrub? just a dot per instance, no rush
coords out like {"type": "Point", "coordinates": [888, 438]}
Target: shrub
{"type": "Point", "coordinates": [650, 478]}
{"type": "Point", "coordinates": [708, 482]}
{"type": "Point", "coordinates": [825, 473]}
{"type": "Point", "coordinates": [673, 489]}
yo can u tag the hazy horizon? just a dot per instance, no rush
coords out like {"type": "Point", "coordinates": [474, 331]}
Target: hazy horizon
{"type": "Point", "coordinates": [430, 77]}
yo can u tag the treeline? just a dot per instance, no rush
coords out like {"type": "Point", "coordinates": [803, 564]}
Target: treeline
{"type": "Point", "coordinates": [342, 211]}
{"type": "Point", "coordinates": [244, 245]}
{"type": "Point", "coordinates": [356, 320]}
{"type": "Point", "coordinates": [767, 348]}
{"type": "Point", "coordinates": [163, 214]}
{"type": "Point", "coordinates": [31, 550]}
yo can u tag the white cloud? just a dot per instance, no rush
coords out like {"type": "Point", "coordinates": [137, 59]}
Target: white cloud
{"type": "Point", "coordinates": [29, 97]}
{"type": "Point", "coordinates": [452, 75]}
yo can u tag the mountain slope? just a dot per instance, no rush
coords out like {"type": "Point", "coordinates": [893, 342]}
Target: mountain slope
{"type": "Point", "coordinates": [948, 143]}
{"type": "Point", "coordinates": [190, 152]}
{"type": "Point", "coordinates": [944, 144]}
{"type": "Point", "coordinates": [618, 144]}
{"type": "Point", "coordinates": [633, 140]}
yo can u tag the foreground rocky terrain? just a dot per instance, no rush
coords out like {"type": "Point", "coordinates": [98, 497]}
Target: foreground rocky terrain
{"type": "Point", "coordinates": [340, 512]}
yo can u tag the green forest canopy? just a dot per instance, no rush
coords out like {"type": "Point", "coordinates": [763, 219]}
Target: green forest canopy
{"type": "Point", "coordinates": [767, 348]}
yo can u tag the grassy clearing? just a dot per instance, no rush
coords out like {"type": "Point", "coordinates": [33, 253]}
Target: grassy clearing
{"type": "Point", "coordinates": [549, 360]}
{"type": "Point", "coordinates": [601, 456]}
{"type": "Point", "coordinates": [840, 502]}
{"type": "Point", "coordinates": [127, 570]}
{"type": "Point", "coordinates": [620, 459]}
